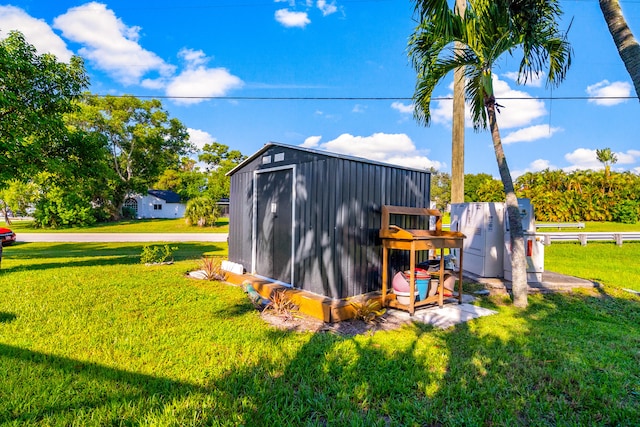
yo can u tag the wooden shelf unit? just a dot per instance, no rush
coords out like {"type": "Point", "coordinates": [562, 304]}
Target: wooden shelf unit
{"type": "Point", "coordinates": [413, 240]}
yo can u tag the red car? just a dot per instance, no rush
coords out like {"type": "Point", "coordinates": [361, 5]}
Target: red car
{"type": "Point", "coordinates": [7, 236]}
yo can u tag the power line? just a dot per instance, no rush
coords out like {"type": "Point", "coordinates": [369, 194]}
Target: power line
{"type": "Point", "coordinates": [362, 98]}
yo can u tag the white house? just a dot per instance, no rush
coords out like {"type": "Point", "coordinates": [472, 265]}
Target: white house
{"type": "Point", "coordinates": [156, 204]}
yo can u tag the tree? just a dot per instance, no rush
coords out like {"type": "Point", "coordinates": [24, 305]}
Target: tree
{"type": "Point", "coordinates": [607, 158]}
{"type": "Point", "coordinates": [219, 160]}
{"type": "Point", "coordinates": [490, 190]}
{"type": "Point", "coordinates": [628, 47]}
{"type": "Point", "coordinates": [488, 29]}
{"type": "Point", "coordinates": [440, 189]}
{"type": "Point", "coordinates": [18, 196]}
{"type": "Point", "coordinates": [35, 92]}
{"type": "Point", "coordinates": [187, 183]}
{"type": "Point", "coordinates": [142, 140]}
{"type": "Point", "coordinates": [472, 182]}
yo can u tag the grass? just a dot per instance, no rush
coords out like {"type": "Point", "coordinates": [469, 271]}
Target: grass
{"type": "Point", "coordinates": [129, 226]}
{"type": "Point", "coordinates": [603, 262]}
{"type": "Point", "coordinates": [88, 336]}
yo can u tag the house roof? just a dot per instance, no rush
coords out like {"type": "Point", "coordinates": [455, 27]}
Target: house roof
{"type": "Point", "coordinates": [315, 151]}
{"type": "Point", "coordinates": [166, 195]}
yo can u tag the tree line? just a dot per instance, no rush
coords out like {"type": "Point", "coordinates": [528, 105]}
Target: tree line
{"type": "Point", "coordinates": [557, 196]}
{"type": "Point", "coordinates": [72, 158]}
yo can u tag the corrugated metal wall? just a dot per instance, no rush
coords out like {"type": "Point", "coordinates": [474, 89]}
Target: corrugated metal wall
{"type": "Point", "coordinates": [337, 217]}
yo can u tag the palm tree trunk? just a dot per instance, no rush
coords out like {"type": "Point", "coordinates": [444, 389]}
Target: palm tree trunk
{"type": "Point", "coordinates": [519, 285]}
{"type": "Point", "coordinates": [628, 47]}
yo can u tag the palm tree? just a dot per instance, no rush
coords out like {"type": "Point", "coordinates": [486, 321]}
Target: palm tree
{"type": "Point", "coordinates": [488, 29]}
{"type": "Point", "coordinates": [607, 158]}
{"type": "Point", "coordinates": [628, 47]}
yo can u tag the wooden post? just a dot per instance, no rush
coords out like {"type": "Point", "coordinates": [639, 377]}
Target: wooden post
{"type": "Point", "coordinates": [457, 125]}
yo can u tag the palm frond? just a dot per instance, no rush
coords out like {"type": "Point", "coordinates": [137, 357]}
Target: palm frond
{"type": "Point", "coordinates": [488, 29]}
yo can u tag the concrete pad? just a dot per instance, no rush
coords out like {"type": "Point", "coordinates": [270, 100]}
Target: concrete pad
{"type": "Point", "coordinates": [449, 315]}
{"type": "Point", "coordinates": [551, 282]}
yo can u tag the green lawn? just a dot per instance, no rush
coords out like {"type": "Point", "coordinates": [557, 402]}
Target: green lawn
{"type": "Point", "coordinates": [603, 262]}
{"type": "Point", "coordinates": [88, 336]}
{"type": "Point", "coordinates": [132, 226]}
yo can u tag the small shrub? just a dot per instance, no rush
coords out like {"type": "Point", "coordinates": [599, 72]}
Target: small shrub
{"type": "Point", "coordinates": [201, 211]}
{"type": "Point", "coordinates": [367, 310]}
{"type": "Point", "coordinates": [157, 254]}
{"type": "Point", "coordinates": [128, 212]}
{"type": "Point", "coordinates": [282, 304]}
{"type": "Point", "coordinates": [211, 268]}
{"type": "Point", "coordinates": [626, 212]}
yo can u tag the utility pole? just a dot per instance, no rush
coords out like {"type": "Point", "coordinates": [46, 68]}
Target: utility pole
{"type": "Point", "coordinates": [457, 134]}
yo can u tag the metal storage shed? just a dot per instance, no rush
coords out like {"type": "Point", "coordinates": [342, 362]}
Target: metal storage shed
{"type": "Point", "coordinates": [311, 218]}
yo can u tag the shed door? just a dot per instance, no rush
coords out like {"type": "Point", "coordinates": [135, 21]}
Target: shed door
{"type": "Point", "coordinates": [274, 227]}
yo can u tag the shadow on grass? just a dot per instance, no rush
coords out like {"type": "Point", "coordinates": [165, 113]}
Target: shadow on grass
{"type": "Point", "coordinates": [80, 387]}
{"type": "Point", "coordinates": [565, 360]}
{"type": "Point", "coordinates": [96, 254]}
{"type": "Point", "coordinates": [7, 317]}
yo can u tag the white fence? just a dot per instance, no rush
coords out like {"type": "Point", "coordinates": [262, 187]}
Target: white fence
{"type": "Point", "coordinates": [584, 237]}
{"type": "Point", "coordinates": [560, 225]}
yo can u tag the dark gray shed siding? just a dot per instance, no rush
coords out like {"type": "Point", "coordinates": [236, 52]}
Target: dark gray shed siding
{"type": "Point", "coordinates": [337, 251]}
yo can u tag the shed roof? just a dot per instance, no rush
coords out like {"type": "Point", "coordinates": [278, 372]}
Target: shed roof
{"type": "Point", "coordinates": [318, 152]}
{"type": "Point", "coordinates": [166, 195]}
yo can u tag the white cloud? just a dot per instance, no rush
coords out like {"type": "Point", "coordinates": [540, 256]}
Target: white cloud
{"type": "Point", "coordinates": [519, 111]}
{"type": "Point", "coordinates": [535, 166]}
{"type": "Point", "coordinates": [200, 138]}
{"type": "Point", "coordinates": [613, 93]}
{"type": "Point", "coordinates": [443, 112]}
{"type": "Point", "coordinates": [198, 81]}
{"type": "Point", "coordinates": [402, 108]}
{"type": "Point", "coordinates": [192, 57]}
{"type": "Point", "coordinates": [389, 148]}
{"type": "Point", "coordinates": [585, 158]}
{"type": "Point", "coordinates": [540, 165]}
{"type": "Point", "coordinates": [326, 8]}
{"type": "Point", "coordinates": [531, 133]}
{"type": "Point", "coordinates": [201, 82]}
{"type": "Point", "coordinates": [629, 157]}
{"type": "Point", "coordinates": [36, 32]}
{"type": "Point", "coordinates": [516, 112]}
{"type": "Point", "coordinates": [311, 142]}
{"type": "Point", "coordinates": [533, 79]}
{"type": "Point", "coordinates": [359, 108]}
{"type": "Point", "coordinates": [109, 43]}
{"type": "Point", "coordinates": [582, 158]}
{"type": "Point", "coordinates": [292, 19]}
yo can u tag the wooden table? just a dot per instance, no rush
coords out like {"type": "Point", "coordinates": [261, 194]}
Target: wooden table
{"type": "Point", "coordinates": [413, 240]}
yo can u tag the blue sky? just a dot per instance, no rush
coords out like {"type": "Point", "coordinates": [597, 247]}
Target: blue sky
{"type": "Point", "coordinates": [216, 63]}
